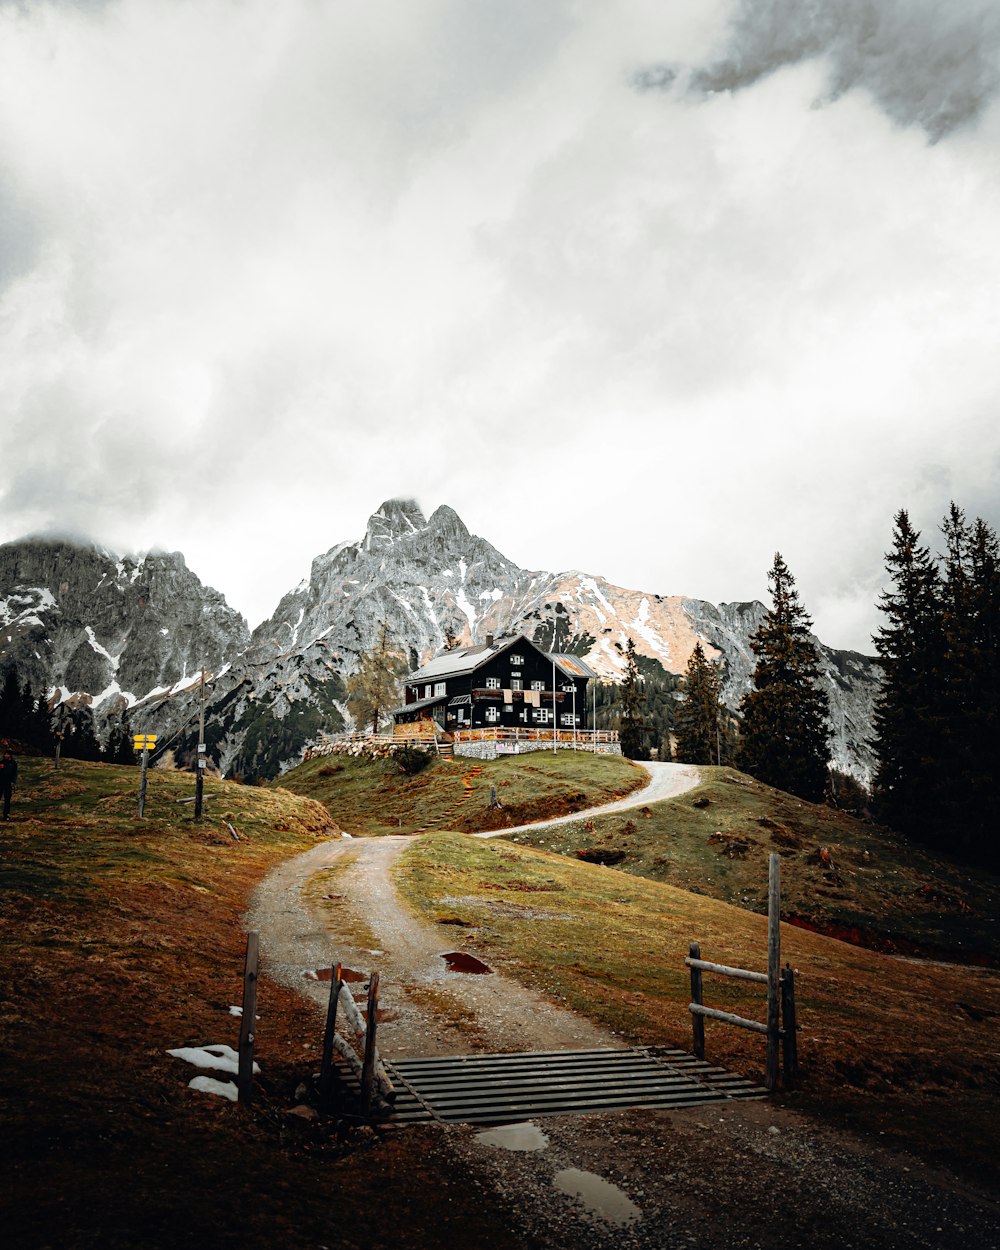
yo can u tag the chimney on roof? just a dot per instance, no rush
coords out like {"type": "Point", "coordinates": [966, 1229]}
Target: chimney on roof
{"type": "Point", "coordinates": [489, 640]}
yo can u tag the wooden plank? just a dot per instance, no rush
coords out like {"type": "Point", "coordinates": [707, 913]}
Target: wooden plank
{"type": "Point", "coordinates": [368, 1066]}
{"type": "Point", "coordinates": [727, 1017]}
{"type": "Point", "coordinates": [773, 968]}
{"type": "Point", "coordinates": [244, 1076]}
{"type": "Point", "coordinates": [326, 1065]}
{"type": "Point", "coordinates": [724, 970]}
{"type": "Point", "coordinates": [697, 1023]}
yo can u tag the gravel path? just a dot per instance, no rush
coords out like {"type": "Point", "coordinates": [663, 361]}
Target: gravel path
{"type": "Point", "coordinates": [666, 781]}
{"type": "Point", "coordinates": [739, 1175]}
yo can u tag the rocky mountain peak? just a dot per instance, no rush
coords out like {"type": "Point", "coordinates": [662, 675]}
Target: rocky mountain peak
{"type": "Point", "coordinates": [395, 519]}
{"type": "Point", "coordinates": [448, 524]}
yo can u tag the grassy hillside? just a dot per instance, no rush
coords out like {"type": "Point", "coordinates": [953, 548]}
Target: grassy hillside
{"type": "Point", "coordinates": [849, 878]}
{"type": "Point", "coordinates": [905, 1047]}
{"type": "Point", "coordinates": [120, 940]}
{"type": "Point", "coordinates": [374, 797]}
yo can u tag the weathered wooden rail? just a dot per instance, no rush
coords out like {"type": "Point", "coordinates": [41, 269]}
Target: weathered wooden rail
{"type": "Point", "coordinates": [780, 1026]}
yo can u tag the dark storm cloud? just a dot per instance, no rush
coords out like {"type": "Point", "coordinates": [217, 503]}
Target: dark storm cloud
{"type": "Point", "coordinates": [926, 63]}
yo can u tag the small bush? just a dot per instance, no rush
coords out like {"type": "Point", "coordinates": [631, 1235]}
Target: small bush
{"type": "Point", "coordinates": [412, 760]}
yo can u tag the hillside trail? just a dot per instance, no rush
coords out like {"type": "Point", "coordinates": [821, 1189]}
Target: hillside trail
{"type": "Point", "coordinates": [701, 1178]}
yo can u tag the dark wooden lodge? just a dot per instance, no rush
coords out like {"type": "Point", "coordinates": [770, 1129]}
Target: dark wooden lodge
{"type": "Point", "coordinates": [506, 684]}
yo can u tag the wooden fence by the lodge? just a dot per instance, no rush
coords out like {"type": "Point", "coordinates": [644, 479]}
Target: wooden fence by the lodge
{"type": "Point", "coordinates": [780, 1026]}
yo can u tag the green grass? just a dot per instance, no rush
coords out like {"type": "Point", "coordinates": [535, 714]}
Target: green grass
{"type": "Point", "coordinates": [715, 840]}
{"type": "Point", "coordinates": [75, 832]}
{"type": "Point", "coordinates": [371, 797]}
{"type": "Point", "coordinates": [882, 1038]}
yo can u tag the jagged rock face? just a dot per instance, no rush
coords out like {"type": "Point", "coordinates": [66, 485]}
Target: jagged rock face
{"type": "Point", "coordinates": [75, 618]}
{"type": "Point", "coordinates": [79, 618]}
{"type": "Point", "coordinates": [425, 576]}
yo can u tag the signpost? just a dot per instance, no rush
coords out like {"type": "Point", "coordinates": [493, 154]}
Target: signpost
{"type": "Point", "coordinates": [144, 743]}
{"type": "Point", "coordinates": [199, 780]}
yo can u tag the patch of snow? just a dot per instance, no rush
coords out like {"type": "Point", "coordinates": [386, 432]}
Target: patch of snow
{"type": "Point", "coordinates": [494, 594]}
{"type": "Point", "coordinates": [463, 568]}
{"type": "Point", "coordinates": [594, 589]}
{"type": "Point", "coordinates": [137, 570]}
{"type": "Point", "coordinates": [62, 691]}
{"type": "Point", "coordinates": [447, 573]}
{"type": "Point", "coordinates": [466, 607]}
{"type": "Point", "coordinates": [106, 693]}
{"type": "Point", "coordinates": [405, 602]}
{"type": "Point", "coordinates": [208, 1085]}
{"type": "Point", "coordinates": [112, 659]}
{"type": "Point", "coordinates": [295, 628]}
{"type": "Point", "coordinates": [219, 1056]}
{"type": "Point", "coordinates": [428, 606]}
{"type": "Point", "coordinates": [641, 626]}
{"type": "Point", "coordinates": [164, 631]}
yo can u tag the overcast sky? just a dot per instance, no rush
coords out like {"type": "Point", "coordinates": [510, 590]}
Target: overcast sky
{"type": "Point", "coordinates": [649, 290]}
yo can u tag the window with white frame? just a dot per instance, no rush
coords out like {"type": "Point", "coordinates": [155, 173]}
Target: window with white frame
{"type": "Point", "coordinates": [516, 683]}
{"type": "Point", "coordinates": [568, 719]}
{"type": "Point", "coordinates": [492, 683]}
{"type": "Point", "coordinates": [492, 713]}
{"type": "Point", "coordinates": [427, 692]}
{"type": "Point", "coordinates": [541, 715]}
{"type": "Point", "coordinates": [538, 685]}
{"type": "Point", "coordinates": [439, 688]}
{"type": "Point", "coordinates": [516, 661]}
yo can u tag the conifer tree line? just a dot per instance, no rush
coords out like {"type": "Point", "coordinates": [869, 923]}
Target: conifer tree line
{"type": "Point", "coordinates": [937, 719]}
{"type": "Point", "coordinates": [25, 719]}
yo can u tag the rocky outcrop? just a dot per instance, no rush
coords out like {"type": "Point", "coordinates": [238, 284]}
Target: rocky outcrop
{"type": "Point", "coordinates": [76, 618]}
{"type": "Point", "coordinates": [137, 631]}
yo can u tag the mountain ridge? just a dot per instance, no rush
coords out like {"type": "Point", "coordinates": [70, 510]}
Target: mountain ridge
{"type": "Point", "coordinates": [273, 689]}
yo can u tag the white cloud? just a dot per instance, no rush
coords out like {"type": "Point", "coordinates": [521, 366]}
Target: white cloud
{"type": "Point", "coordinates": [275, 263]}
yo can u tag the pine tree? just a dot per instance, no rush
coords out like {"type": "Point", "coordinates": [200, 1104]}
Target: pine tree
{"type": "Point", "coordinates": [910, 648]}
{"type": "Point", "coordinates": [632, 727]}
{"type": "Point", "coordinates": [698, 729]}
{"type": "Point", "coordinates": [373, 691]}
{"type": "Point", "coordinates": [786, 731]}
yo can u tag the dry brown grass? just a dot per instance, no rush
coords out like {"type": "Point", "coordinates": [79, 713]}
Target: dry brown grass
{"type": "Point", "coordinates": [878, 1032]}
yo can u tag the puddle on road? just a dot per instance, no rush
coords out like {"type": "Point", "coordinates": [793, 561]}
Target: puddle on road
{"type": "Point", "coordinates": [459, 961]}
{"type": "Point", "coordinates": [598, 1196]}
{"type": "Point", "coordinates": [526, 1136]}
{"type": "Point", "coordinates": [326, 974]}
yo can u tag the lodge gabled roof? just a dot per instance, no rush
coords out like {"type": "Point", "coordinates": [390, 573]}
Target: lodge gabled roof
{"type": "Point", "coordinates": [461, 661]}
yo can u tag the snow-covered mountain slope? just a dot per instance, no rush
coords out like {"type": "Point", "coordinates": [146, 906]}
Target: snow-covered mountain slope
{"type": "Point", "coordinates": [429, 576]}
{"type": "Point", "coordinates": [78, 619]}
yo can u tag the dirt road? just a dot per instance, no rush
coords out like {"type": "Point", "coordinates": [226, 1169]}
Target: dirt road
{"type": "Point", "coordinates": [666, 781]}
{"type": "Point", "coordinates": [727, 1175]}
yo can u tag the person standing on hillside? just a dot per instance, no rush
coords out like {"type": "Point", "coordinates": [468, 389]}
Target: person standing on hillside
{"type": "Point", "coordinates": [8, 776]}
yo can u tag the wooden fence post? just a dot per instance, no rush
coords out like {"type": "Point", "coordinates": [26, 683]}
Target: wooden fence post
{"type": "Point", "coordinates": [697, 1022]}
{"type": "Point", "coordinates": [326, 1068]}
{"type": "Point", "coordinates": [368, 1065]}
{"type": "Point", "coordinates": [790, 1043]}
{"type": "Point", "coordinates": [773, 968]}
{"type": "Point", "coordinates": [244, 1078]}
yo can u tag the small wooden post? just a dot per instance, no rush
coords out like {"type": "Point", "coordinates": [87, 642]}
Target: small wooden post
{"type": "Point", "coordinates": [697, 1022]}
{"type": "Point", "coordinates": [244, 1079]}
{"type": "Point", "coordinates": [142, 781]}
{"type": "Point", "coordinates": [368, 1065]}
{"type": "Point", "coordinates": [789, 1042]}
{"type": "Point", "coordinates": [326, 1069]}
{"type": "Point", "coordinates": [773, 968]}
